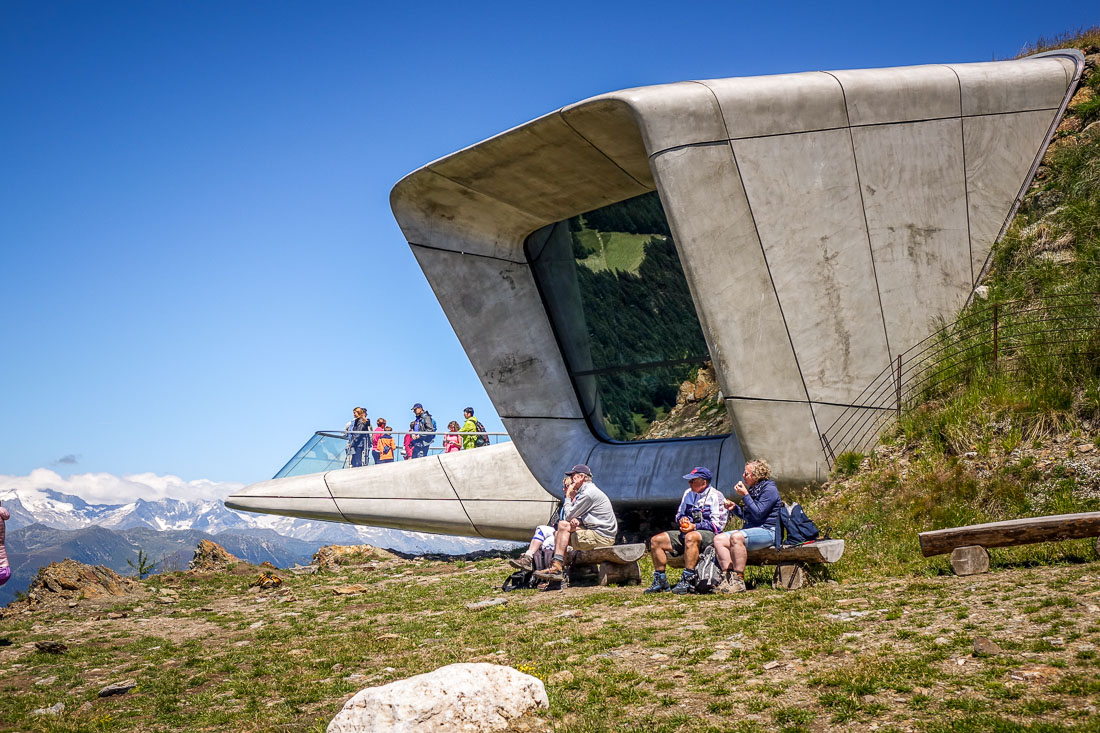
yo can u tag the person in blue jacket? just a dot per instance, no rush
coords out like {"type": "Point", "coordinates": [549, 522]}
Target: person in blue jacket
{"type": "Point", "coordinates": [759, 510]}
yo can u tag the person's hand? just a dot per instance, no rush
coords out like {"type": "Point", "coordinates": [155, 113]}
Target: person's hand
{"type": "Point", "coordinates": [574, 524]}
{"type": "Point", "coordinates": [741, 489]}
{"type": "Point", "coordinates": [686, 525]}
{"type": "Point", "coordinates": [729, 503]}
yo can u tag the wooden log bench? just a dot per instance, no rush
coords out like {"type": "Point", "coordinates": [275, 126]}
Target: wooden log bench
{"type": "Point", "coordinates": [791, 563]}
{"type": "Point", "coordinates": [614, 564]}
{"type": "Point", "coordinates": [969, 545]}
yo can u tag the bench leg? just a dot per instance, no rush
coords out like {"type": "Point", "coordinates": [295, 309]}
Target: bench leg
{"type": "Point", "coordinates": [626, 574]}
{"type": "Point", "coordinates": [969, 560]}
{"type": "Point", "coordinates": [791, 576]}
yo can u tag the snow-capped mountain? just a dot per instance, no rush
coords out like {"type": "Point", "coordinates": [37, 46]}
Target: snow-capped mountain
{"type": "Point", "coordinates": [67, 511]}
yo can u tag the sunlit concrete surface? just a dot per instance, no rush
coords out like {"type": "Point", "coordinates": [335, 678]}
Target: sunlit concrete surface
{"type": "Point", "coordinates": [824, 221]}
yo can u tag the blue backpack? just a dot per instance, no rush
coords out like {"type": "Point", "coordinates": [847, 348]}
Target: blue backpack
{"type": "Point", "coordinates": [794, 528]}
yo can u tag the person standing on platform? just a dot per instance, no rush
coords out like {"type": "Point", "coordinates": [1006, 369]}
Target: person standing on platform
{"type": "Point", "coordinates": [423, 424]}
{"type": "Point", "coordinates": [5, 566]}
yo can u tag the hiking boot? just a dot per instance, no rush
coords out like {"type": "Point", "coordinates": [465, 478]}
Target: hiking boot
{"type": "Point", "coordinates": [686, 584]}
{"type": "Point", "coordinates": [724, 585]}
{"type": "Point", "coordinates": [524, 562]}
{"type": "Point", "coordinates": [736, 583]}
{"type": "Point", "coordinates": [659, 585]}
{"type": "Point", "coordinates": [554, 572]}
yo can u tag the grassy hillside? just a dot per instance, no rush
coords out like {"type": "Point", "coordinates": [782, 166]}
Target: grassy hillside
{"type": "Point", "coordinates": [892, 653]}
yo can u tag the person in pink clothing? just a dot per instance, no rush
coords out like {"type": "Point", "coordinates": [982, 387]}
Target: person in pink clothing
{"type": "Point", "coordinates": [409, 441]}
{"type": "Point", "coordinates": [378, 432]}
{"type": "Point", "coordinates": [452, 441]}
{"type": "Point", "coordinates": [5, 568]}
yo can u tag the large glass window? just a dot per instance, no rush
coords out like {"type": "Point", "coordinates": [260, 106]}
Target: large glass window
{"type": "Point", "coordinates": [620, 306]}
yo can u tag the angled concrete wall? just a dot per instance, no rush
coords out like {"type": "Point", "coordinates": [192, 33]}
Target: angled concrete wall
{"type": "Point", "coordinates": [824, 220]}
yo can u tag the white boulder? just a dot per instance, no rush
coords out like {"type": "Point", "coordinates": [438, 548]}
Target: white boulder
{"type": "Point", "coordinates": [458, 697]}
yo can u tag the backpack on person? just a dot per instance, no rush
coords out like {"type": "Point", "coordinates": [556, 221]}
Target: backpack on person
{"type": "Point", "coordinates": [707, 573]}
{"type": "Point", "coordinates": [795, 527]}
{"type": "Point", "coordinates": [480, 440]}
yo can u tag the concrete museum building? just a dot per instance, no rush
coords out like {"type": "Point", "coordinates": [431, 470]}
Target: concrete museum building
{"type": "Point", "coordinates": [790, 234]}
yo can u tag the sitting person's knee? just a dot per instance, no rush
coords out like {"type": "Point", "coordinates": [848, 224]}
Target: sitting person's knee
{"type": "Point", "coordinates": [564, 525]}
{"type": "Point", "coordinates": [693, 538]}
{"type": "Point", "coordinates": [737, 538]}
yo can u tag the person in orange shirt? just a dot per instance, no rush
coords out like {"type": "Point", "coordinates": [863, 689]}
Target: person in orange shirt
{"type": "Point", "coordinates": [386, 447]}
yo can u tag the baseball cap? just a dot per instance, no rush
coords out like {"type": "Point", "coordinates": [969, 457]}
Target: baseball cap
{"type": "Point", "coordinates": [469, 410]}
{"type": "Point", "coordinates": [416, 406]}
{"type": "Point", "coordinates": [700, 472]}
{"type": "Point", "coordinates": [579, 468]}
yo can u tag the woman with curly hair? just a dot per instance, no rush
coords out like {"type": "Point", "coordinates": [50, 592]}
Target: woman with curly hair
{"type": "Point", "coordinates": [759, 510]}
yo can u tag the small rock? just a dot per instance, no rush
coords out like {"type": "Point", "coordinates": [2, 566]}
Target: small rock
{"type": "Point", "coordinates": [1086, 448]}
{"type": "Point", "coordinates": [941, 641]}
{"type": "Point", "coordinates": [486, 604]}
{"type": "Point", "coordinates": [970, 454]}
{"type": "Point", "coordinates": [561, 678]}
{"type": "Point", "coordinates": [116, 615]}
{"type": "Point", "coordinates": [72, 604]}
{"type": "Point", "coordinates": [257, 625]}
{"type": "Point", "coordinates": [773, 664]}
{"type": "Point", "coordinates": [355, 676]}
{"type": "Point", "coordinates": [1054, 640]}
{"type": "Point", "coordinates": [118, 688]}
{"type": "Point", "coordinates": [571, 613]}
{"type": "Point", "coordinates": [868, 699]}
{"type": "Point", "coordinates": [86, 707]}
{"type": "Point", "coordinates": [720, 656]}
{"type": "Point", "coordinates": [472, 696]}
{"type": "Point", "coordinates": [659, 657]}
{"type": "Point", "coordinates": [336, 667]}
{"type": "Point", "coordinates": [350, 590]}
{"type": "Point", "coordinates": [50, 647]}
{"type": "Point", "coordinates": [983, 647]}
{"type": "Point", "coordinates": [46, 681]}
{"type": "Point", "coordinates": [54, 710]}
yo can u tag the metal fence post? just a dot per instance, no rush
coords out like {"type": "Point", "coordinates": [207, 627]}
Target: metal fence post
{"type": "Point", "coordinates": [996, 312]}
{"type": "Point", "coordinates": [897, 385]}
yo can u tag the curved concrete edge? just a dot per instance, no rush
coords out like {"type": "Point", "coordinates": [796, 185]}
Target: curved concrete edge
{"type": "Point", "coordinates": [486, 492]}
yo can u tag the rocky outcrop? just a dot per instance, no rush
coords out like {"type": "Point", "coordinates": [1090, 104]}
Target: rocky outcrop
{"type": "Point", "coordinates": [210, 557]}
{"type": "Point", "coordinates": [330, 557]}
{"type": "Point", "coordinates": [458, 697]}
{"type": "Point", "coordinates": [699, 410]}
{"type": "Point", "coordinates": [69, 581]}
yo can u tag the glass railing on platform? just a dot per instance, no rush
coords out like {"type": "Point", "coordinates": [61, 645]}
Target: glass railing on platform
{"type": "Point", "coordinates": [328, 450]}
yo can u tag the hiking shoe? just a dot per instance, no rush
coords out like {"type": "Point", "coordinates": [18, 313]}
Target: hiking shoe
{"type": "Point", "coordinates": [724, 585]}
{"type": "Point", "coordinates": [523, 562]}
{"type": "Point", "coordinates": [686, 584]}
{"type": "Point", "coordinates": [659, 585]}
{"type": "Point", "coordinates": [554, 572]}
{"type": "Point", "coordinates": [736, 584]}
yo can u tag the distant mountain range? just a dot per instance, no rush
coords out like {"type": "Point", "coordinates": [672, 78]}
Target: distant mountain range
{"type": "Point", "coordinates": [48, 526]}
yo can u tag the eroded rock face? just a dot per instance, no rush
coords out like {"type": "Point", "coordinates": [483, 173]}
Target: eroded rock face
{"type": "Point", "coordinates": [69, 580]}
{"type": "Point", "coordinates": [331, 556]}
{"type": "Point", "coordinates": [211, 557]}
{"type": "Point", "coordinates": [459, 697]}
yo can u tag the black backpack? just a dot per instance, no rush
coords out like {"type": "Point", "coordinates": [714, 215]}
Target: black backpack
{"type": "Point", "coordinates": [795, 528]}
{"type": "Point", "coordinates": [519, 580]}
{"type": "Point", "coordinates": [480, 440]}
{"type": "Point", "coordinates": [707, 573]}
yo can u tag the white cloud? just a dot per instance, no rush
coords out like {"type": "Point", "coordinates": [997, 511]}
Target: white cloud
{"type": "Point", "coordinates": [106, 488]}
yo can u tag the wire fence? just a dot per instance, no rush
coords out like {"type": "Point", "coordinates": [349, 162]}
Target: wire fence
{"type": "Point", "coordinates": [1016, 339]}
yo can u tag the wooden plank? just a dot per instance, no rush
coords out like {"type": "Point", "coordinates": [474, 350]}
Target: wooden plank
{"type": "Point", "coordinates": [617, 554]}
{"type": "Point", "coordinates": [825, 551]}
{"type": "Point", "coordinates": [1053, 528]}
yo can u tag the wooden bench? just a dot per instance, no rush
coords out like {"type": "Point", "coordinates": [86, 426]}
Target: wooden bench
{"type": "Point", "coordinates": [791, 563]}
{"type": "Point", "coordinates": [614, 564]}
{"type": "Point", "coordinates": [968, 545]}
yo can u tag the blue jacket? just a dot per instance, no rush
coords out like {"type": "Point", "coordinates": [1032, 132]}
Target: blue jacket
{"type": "Point", "coordinates": [761, 507]}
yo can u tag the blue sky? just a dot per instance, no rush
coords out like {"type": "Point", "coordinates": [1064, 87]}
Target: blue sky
{"type": "Point", "coordinates": [198, 264]}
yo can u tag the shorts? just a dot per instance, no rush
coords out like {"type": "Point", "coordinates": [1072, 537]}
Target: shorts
{"type": "Point", "coordinates": [589, 539]}
{"type": "Point", "coordinates": [676, 539]}
{"type": "Point", "coordinates": [756, 538]}
{"type": "Point", "coordinates": [5, 574]}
